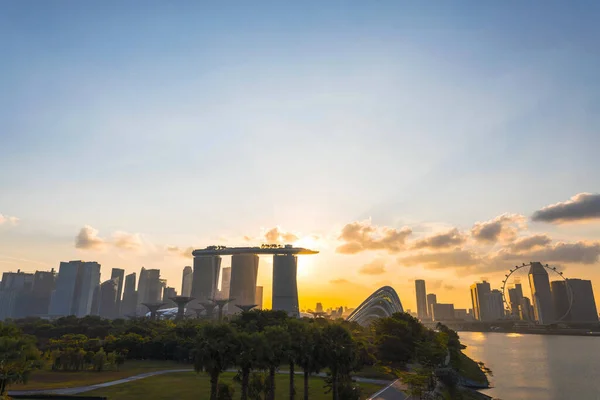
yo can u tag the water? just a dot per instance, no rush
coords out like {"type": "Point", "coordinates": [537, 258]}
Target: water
{"type": "Point", "coordinates": [538, 367]}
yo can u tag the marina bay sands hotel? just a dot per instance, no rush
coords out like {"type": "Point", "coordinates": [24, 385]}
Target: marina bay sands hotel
{"type": "Point", "coordinates": [244, 272]}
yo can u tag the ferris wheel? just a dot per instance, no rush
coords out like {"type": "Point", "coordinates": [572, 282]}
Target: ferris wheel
{"type": "Point", "coordinates": [552, 272]}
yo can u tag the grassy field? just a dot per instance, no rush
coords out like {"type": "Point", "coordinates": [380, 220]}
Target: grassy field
{"type": "Point", "coordinates": [192, 386]}
{"type": "Point", "coordinates": [47, 379]}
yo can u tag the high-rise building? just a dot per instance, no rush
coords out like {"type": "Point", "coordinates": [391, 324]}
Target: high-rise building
{"type": "Point", "coordinates": [38, 301]}
{"type": "Point", "coordinates": [584, 303]}
{"type": "Point", "coordinates": [206, 277]}
{"type": "Point", "coordinates": [75, 286]}
{"type": "Point", "coordinates": [107, 303]}
{"type": "Point", "coordinates": [225, 283]}
{"type": "Point", "coordinates": [495, 305]}
{"type": "Point", "coordinates": [168, 294]}
{"type": "Point", "coordinates": [514, 296]}
{"type": "Point", "coordinates": [12, 288]}
{"type": "Point", "coordinates": [259, 297]}
{"type": "Point", "coordinates": [129, 304]}
{"type": "Point", "coordinates": [442, 312]}
{"type": "Point", "coordinates": [526, 310]}
{"type": "Point", "coordinates": [479, 299]}
{"type": "Point", "coordinates": [118, 273]}
{"type": "Point", "coordinates": [461, 314]}
{"type": "Point", "coordinates": [319, 308]}
{"type": "Point", "coordinates": [186, 282]}
{"type": "Point", "coordinates": [560, 300]}
{"type": "Point", "coordinates": [285, 288]}
{"type": "Point", "coordinates": [431, 300]}
{"type": "Point", "coordinates": [421, 299]}
{"type": "Point", "coordinates": [244, 271]}
{"type": "Point", "coordinates": [541, 294]}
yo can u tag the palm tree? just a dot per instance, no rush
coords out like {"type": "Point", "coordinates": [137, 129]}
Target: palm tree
{"type": "Point", "coordinates": [340, 354]}
{"type": "Point", "coordinates": [215, 352]}
{"type": "Point", "coordinates": [278, 351]}
{"type": "Point", "coordinates": [251, 354]}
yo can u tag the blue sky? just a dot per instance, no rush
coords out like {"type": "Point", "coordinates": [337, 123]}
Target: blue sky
{"type": "Point", "coordinates": [189, 123]}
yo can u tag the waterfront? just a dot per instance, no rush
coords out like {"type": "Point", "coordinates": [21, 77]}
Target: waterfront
{"type": "Point", "coordinates": [537, 367]}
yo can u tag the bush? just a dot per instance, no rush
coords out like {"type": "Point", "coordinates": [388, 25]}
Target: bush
{"type": "Point", "coordinates": [225, 391]}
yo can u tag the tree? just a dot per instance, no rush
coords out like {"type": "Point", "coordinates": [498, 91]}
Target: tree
{"type": "Point", "coordinates": [99, 360]}
{"type": "Point", "coordinates": [278, 351]}
{"type": "Point", "coordinates": [306, 342]}
{"type": "Point", "coordinates": [18, 357]}
{"type": "Point", "coordinates": [215, 351]}
{"type": "Point", "coordinates": [251, 353]}
{"type": "Point", "coordinates": [417, 382]}
{"type": "Point", "coordinates": [340, 355]}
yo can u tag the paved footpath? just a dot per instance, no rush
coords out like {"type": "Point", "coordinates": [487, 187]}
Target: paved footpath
{"type": "Point", "coordinates": [82, 389]}
{"type": "Point", "coordinates": [391, 392]}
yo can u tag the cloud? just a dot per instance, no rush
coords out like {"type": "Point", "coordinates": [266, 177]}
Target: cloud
{"type": "Point", "coordinates": [127, 241]}
{"type": "Point", "coordinates": [7, 219]}
{"type": "Point", "coordinates": [375, 267]}
{"type": "Point", "coordinates": [182, 252]}
{"type": "Point", "coordinates": [529, 242]}
{"type": "Point", "coordinates": [88, 239]}
{"type": "Point", "coordinates": [581, 207]}
{"type": "Point", "coordinates": [447, 239]}
{"type": "Point", "coordinates": [575, 253]}
{"type": "Point", "coordinates": [339, 281]}
{"type": "Point", "coordinates": [454, 258]}
{"type": "Point", "coordinates": [362, 236]}
{"type": "Point", "coordinates": [276, 235]}
{"type": "Point", "coordinates": [503, 228]}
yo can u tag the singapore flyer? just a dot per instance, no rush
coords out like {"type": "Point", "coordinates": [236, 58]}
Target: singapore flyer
{"type": "Point", "coordinates": [551, 297]}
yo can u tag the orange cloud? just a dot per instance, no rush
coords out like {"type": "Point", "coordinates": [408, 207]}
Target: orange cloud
{"type": "Point", "coordinates": [503, 228]}
{"type": "Point", "coordinates": [362, 236]}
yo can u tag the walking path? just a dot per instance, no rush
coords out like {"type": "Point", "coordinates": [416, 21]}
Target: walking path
{"type": "Point", "coordinates": [391, 392]}
{"type": "Point", "coordinates": [82, 389]}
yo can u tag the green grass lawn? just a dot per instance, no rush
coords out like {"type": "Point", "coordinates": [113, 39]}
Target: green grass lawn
{"type": "Point", "coordinates": [48, 379]}
{"type": "Point", "coordinates": [190, 385]}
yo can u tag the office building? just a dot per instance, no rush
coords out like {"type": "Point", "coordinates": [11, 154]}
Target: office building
{"type": "Point", "coordinates": [107, 298]}
{"type": "Point", "coordinates": [541, 295]}
{"type": "Point", "coordinates": [12, 288]}
{"type": "Point", "coordinates": [259, 297]}
{"type": "Point", "coordinates": [584, 303]}
{"type": "Point", "coordinates": [285, 288]}
{"type": "Point", "coordinates": [129, 303]}
{"type": "Point", "coordinates": [168, 294]}
{"type": "Point", "coordinates": [205, 278]}
{"type": "Point", "coordinates": [421, 299]}
{"type": "Point", "coordinates": [479, 299]}
{"type": "Point", "coordinates": [514, 297]}
{"type": "Point", "coordinates": [37, 301]}
{"type": "Point", "coordinates": [225, 283]}
{"type": "Point", "coordinates": [244, 272]}
{"type": "Point", "coordinates": [75, 286]}
{"type": "Point", "coordinates": [186, 282]}
{"type": "Point", "coordinates": [431, 300]}
{"type": "Point", "coordinates": [526, 312]}
{"type": "Point", "coordinates": [319, 308]}
{"type": "Point", "coordinates": [461, 314]}
{"type": "Point", "coordinates": [560, 300]}
{"type": "Point", "coordinates": [495, 305]}
{"type": "Point", "coordinates": [442, 312]}
{"type": "Point", "coordinates": [119, 275]}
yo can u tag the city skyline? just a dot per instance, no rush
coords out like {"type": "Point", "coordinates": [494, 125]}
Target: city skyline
{"type": "Point", "coordinates": [396, 150]}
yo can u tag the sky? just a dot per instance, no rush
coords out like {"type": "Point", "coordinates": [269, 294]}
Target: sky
{"type": "Point", "coordinates": [445, 141]}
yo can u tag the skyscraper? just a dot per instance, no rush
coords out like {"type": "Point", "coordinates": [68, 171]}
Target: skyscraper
{"type": "Point", "coordinates": [259, 297]}
{"type": "Point", "coordinates": [186, 282]}
{"type": "Point", "coordinates": [107, 303]}
{"type": "Point", "coordinates": [495, 305]}
{"type": "Point", "coordinates": [431, 300]}
{"type": "Point", "coordinates": [244, 271]}
{"type": "Point", "coordinates": [514, 296]}
{"type": "Point", "coordinates": [421, 299]}
{"type": "Point", "coordinates": [225, 283]}
{"type": "Point", "coordinates": [41, 293]}
{"type": "Point", "coordinates": [584, 304]}
{"type": "Point", "coordinates": [118, 273]}
{"type": "Point", "coordinates": [526, 310]}
{"type": "Point", "coordinates": [542, 296]}
{"type": "Point", "coordinates": [168, 294]}
{"type": "Point", "coordinates": [285, 287]}
{"type": "Point", "coordinates": [75, 286]}
{"type": "Point", "coordinates": [12, 286]}
{"type": "Point", "coordinates": [205, 277]}
{"type": "Point", "coordinates": [560, 300]}
{"type": "Point", "coordinates": [129, 303]}
{"type": "Point", "coordinates": [479, 299]}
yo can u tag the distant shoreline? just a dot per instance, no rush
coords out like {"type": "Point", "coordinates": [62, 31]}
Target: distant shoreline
{"type": "Point", "coordinates": [538, 331]}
